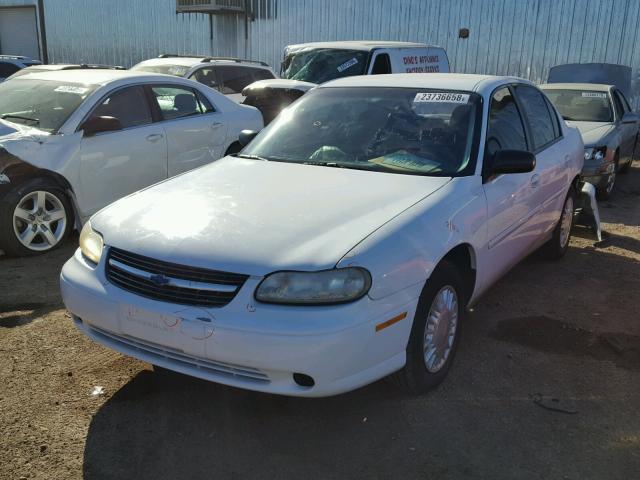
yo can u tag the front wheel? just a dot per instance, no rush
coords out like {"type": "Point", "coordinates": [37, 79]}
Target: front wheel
{"type": "Point", "coordinates": [35, 217]}
{"type": "Point", "coordinates": [558, 245]}
{"type": "Point", "coordinates": [435, 331]}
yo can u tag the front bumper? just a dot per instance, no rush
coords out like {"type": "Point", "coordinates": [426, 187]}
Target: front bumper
{"type": "Point", "coordinates": [245, 344]}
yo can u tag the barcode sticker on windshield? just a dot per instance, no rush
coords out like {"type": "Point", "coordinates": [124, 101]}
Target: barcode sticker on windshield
{"type": "Point", "coordinates": [441, 97]}
{"type": "Point", "coordinates": [71, 89]}
{"type": "Point", "coordinates": [594, 94]}
{"type": "Point", "coordinates": [347, 64]}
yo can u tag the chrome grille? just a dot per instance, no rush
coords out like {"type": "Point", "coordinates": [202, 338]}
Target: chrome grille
{"type": "Point", "coordinates": [170, 282]}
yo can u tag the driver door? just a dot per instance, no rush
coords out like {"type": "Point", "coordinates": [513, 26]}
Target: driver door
{"type": "Point", "coordinates": [115, 164]}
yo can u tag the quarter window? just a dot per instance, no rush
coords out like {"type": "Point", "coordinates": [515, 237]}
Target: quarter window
{"type": "Point", "coordinates": [538, 116]}
{"type": "Point", "coordinates": [178, 102]}
{"type": "Point", "coordinates": [505, 130]}
{"type": "Point", "coordinates": [381, 65]}
{"type": "Point", "coordinates": [129, 105]}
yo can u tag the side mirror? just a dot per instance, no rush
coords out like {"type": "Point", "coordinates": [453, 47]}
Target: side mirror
{"type": "Point", "coordinates": [100, 124]}
{"type": "Point", "coordinates": [246, 136]}
{"type": "Point", "coordinates": [630, 117]}
{"type": "Point", "coordinates": [512, 161]}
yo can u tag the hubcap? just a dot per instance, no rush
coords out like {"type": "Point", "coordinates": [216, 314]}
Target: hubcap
{"type": "Point", "coordinates": [611, 181]}
{"type": "Point", "coordinates": [566, 221]}
{"type": "Point", "coordinates": [39, 220]}
{"type": "Point", "coordinates": [440, 329]}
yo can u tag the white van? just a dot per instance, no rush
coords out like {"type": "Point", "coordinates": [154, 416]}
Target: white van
{"type": "Point", "coordinates": [306, 65]}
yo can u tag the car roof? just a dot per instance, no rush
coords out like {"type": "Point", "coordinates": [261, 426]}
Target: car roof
{"type": "Point", "coordinates": [95, 76]}
{"type": "Point", "coordinates": [440, 81]}
{"type": "Point", "coordinates": [193, 61]}
{"type": "Point", "coordinates": [598, 87]}
{"type": "Point", "coordinates": [360, 45]}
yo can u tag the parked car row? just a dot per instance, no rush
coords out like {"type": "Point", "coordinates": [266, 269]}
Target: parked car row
{"type": "Point", "coordinates": [342, 244]}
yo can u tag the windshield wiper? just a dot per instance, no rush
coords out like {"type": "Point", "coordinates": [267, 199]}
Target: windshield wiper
{"type": "Point", "coordinates": [20, 117]}
{"type": "Point", "coordinates": [250, 157]}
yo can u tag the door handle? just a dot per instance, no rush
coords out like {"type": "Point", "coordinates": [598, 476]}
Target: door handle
{"type": "Point", "coordinates": [215, 125]}
{"type": "Point", "coordinates": [535, 181]}
{"type": "Point", "coordinates": [154, 137]}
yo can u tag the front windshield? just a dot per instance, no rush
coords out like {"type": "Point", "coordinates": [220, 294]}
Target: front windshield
{"type": "Point", "coordinates": [175, 70]}
{"type": "Point", "coordinates": [42, 104]}
{"type": "Point", "coordinates": [396, 130]}
{"type": "Point", "coordinates": [582, 105]}
{"type": "Point", "coordinates": [319, 65]}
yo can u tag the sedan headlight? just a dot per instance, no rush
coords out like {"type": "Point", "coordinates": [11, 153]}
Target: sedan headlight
{"type": "Point", "coordinates": [595, 153]}
{"type": "Point", "coordinates": [91, 243]}
{"type": "Point", "coordinates": [315, 288]}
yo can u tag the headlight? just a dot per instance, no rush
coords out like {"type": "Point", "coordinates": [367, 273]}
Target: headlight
{"type": "Point", "coordinates": [597, 153]}
{"type": "Point", "coordinates": [91, 243]}
{"type": "Point", "coordinates": [314, 288]}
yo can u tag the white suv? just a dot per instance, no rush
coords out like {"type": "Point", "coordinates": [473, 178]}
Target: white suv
{"type": "Point", "coordinates": [72, 142]}
{"type": "Point", "coordinates": [228, 75]}
{"type": "Point", "coordinates": [10, 64]}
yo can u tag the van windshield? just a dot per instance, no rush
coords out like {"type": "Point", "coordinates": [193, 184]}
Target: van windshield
{"type": "Point", "coordinates": [385, 129]}
{"type": "Point", "coordinates": [319, 65]}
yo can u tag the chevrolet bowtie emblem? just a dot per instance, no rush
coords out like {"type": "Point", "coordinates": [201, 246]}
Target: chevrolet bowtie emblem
{"type": "Point", "coordinates": [159, 280]}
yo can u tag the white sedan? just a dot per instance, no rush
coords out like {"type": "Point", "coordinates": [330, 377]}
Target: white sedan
{"type": "Point", "coordinates": [343, 244]}
{"type": "Point", "coordinates": [73, 141]}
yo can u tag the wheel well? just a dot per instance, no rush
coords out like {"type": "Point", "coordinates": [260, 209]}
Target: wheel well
{"type": "Point", "coordinates": [463, 257]}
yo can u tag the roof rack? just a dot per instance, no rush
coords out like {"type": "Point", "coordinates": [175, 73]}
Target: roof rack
{"type": "Point", "coordinates": [206, 58]}
{"type": "Point", "coordinates": [234, 59]}
{"type": "Point", "coordinates": [15, 57]}
{"type": "Point", "coordinates": [90, 66]}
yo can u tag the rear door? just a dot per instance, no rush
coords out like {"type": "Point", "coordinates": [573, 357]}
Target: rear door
{"type": "Point", "coordinates": [115, 164]}
{"type": "Point", "coordinates": [550, 178]}
{"type": "Point", "coordinates": [196, 133]}
{"type": "Point", "coordinates": [509, 196]}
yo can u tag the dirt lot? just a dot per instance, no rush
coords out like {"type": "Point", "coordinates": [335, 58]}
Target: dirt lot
{"type": "Point", "coordinates": [568, 331]}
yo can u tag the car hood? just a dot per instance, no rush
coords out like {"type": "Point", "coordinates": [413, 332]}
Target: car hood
{"type": "Point", "coordinates": [592, 132]}
{"type": "Point", "coordinates": [255, 217]}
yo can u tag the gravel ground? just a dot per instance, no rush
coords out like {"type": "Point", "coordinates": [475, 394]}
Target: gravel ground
{"type": "Point", "coordinates": [546, 384]}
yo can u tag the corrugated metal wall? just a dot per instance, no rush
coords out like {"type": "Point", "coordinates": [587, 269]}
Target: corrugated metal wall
{"type": "Point", "coordinates": [515, 37]}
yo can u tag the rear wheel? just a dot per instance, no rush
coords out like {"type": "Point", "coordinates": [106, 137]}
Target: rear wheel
{"type": "Point", "coordinates": [35, 217]}
{"type": "Point", "coordinates": [435, 331]}
{"type": "Point", "coordinates": [557, 246]}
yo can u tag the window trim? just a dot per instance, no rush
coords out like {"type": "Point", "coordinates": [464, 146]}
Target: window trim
{"type": "Point", "coordinates": [536, 150]}
{"type": "Point", "coordinates": [196, 93]}
{"type": "Point", "coordinates": [107, 95]}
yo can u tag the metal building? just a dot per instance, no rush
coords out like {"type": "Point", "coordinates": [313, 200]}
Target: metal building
{"type": "Point", "coordinates": [515, 37]}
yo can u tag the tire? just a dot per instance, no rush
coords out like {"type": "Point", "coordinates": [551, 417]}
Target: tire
{"type": "Point", "coordinates": [416, 376]}
{"type": "Point", "coordinates": [558, 245]}
{"type": "Point", "coordinates": [44, 209]}
{"type": "Point", "coordinates": [604, 193]}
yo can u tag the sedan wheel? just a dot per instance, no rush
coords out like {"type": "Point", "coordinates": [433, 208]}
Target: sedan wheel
{"type": "Point", "coordinates": [40, 220]}
{"type": "Point", "coordinates": [440, 329]}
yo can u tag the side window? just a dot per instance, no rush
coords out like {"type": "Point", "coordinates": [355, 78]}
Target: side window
{"type": "Point", "coordinates": [381, 65]}
{"type": "Point", "coordinates": [505, 130]}
{"type": "Point", "coordinates": [129, 105]}
{"type": "Point", "coordinates": [618, 105]}
{"type": "Point", "coordinates": [537, 114]}
{"type": "Point", "coordinates": [621, 103]}
{"type": "Point", "coordinates": [261, 74]}
{"type": "Point", "coordinates": [179, 102]}
{"type": "Point", "coordinates": [234, 79]}
{"type": "Point", "coordinates": [557, 131]}
{"type": "Point", "coordinates": [7, 69]}
{"type": "Point", "coordinates": [205, 76]}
